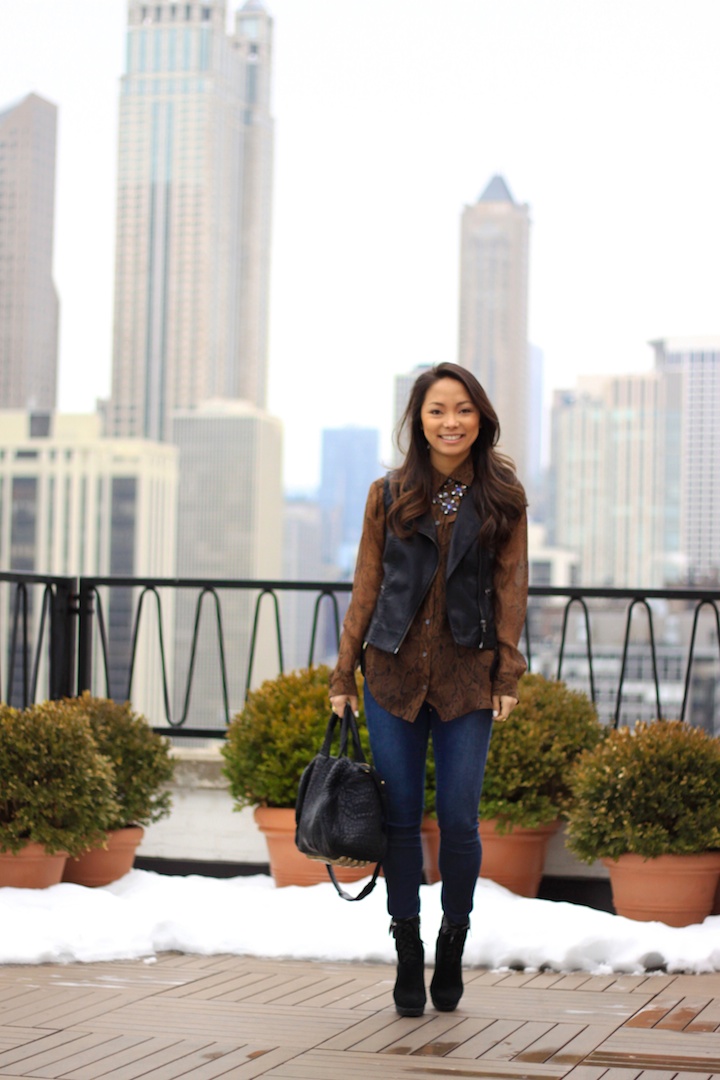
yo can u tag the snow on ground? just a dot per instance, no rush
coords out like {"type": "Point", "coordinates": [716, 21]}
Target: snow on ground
{"type": "Point", "coordinates": [146, 913]}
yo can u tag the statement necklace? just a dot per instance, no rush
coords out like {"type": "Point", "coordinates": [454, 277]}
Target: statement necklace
{"type": "Point", "coordinates": [449, 496]}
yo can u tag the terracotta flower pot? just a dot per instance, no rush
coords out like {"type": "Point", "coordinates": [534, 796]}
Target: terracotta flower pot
{"type": "Point", "coordinates": [100, 866]}
{"type": "Point", "coordinates": [31, 868]}
{"type": "Point", "coordinates": [675, 889]}
{"type": "Point", "coordinates": [289, 866]}
{"type": "Point", "coordinates": [515, 859]}
{"type": "Point", "coordinates": [430, 839]}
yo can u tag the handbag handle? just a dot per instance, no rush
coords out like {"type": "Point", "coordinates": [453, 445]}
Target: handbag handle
{"type": "Point", "coordinates": [348, 728]}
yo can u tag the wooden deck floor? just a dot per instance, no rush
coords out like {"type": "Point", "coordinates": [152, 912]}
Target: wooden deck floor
{"type": "Point", "coordinates": [229, 1016]}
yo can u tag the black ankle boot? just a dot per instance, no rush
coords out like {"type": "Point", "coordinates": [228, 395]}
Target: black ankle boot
{"type": "Point", "coordinates": [446, 987]}
{"type": "Point", "coordinates": [409, 992]}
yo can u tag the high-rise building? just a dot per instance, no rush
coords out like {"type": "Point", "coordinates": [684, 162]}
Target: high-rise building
{"type": "Point", "coordinates": [74, 503]}
{"type": "Point", "coordinates": [615, 498]}
{"type": "Point", "coordinates": [349, 464]}
{"type": "Point", "coordinates": [28, 300]}
{"type": "Point", "coordinates": [230, 526]}
{"type": "Point", "coordinates": [493, 340]}
{"type": "Point", "coordinates": [694, 362]}
{"type": "Point", "coordinates": [193, 212]}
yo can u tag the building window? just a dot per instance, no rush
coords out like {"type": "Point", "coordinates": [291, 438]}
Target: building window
{"type": "Point", "coordinates": [206, 14]}
{"type": "Point", "coordinates": [188, 12]}
{"type": "Point", "coordinates": [158, 13]}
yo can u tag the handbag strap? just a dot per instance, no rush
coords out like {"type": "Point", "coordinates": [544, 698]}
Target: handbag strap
{"type": "Point", "coordinates": [365, 891]}
{"type": "Point", "coordinates": [348, 729]}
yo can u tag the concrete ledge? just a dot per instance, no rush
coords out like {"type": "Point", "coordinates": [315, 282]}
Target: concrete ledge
{"type": "Point", "coordinates": [203, 825]}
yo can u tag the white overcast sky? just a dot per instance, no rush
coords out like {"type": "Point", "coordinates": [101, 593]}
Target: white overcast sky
{"type": "Point", "coordinates": [391, 115]}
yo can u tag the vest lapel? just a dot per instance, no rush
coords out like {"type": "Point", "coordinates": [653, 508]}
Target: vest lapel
{"type": "Point", "coordinates": [465, 532]}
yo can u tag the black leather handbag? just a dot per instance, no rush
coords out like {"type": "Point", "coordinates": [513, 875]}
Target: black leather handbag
{"type": "Point", "coordinates": [340, 808]}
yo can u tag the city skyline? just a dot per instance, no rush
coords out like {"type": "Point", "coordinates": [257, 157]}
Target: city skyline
{"type": "Point", "coordinates": [389, 121]}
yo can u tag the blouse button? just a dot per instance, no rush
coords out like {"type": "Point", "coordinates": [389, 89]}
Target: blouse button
{"type": "Point", "coordinates": [427, 622]}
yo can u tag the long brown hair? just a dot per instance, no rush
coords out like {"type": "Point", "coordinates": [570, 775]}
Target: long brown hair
{"type": "Point", "coordinates": [499, 496]}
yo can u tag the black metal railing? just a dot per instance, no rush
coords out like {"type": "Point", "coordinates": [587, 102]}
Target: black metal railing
{"type": "Point", "coordinates": [62, 635]}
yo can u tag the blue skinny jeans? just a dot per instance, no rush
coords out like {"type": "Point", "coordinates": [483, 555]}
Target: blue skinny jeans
{"type": "Point", "coordinates": [399, 751]}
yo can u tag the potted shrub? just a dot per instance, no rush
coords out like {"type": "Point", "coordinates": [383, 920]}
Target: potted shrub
{"type": "Point", "coordinates": [143, 767]}
{"type": "Point", "coordinates": [56, 791]}
{"type": "Point", "coordinates": [268, 745]}
{"type": "Point", "coordinates": [527, 779]}
{"type": "Point", "coordinates": [647, 802]}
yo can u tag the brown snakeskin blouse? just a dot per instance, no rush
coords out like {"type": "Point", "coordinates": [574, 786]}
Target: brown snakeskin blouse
{"type": "Point", "coordinates": [430, 667]}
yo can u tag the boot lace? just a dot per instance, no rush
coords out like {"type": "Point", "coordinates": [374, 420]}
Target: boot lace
{"type": "Point", "coordinates": [407, 940]}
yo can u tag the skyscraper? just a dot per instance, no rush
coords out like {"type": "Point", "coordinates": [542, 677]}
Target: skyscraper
{"type": "Point", "coordinates": [493, 341]}
{"type": "Point", "coordinates": [28, 301]}
{"type": "Point", "coordinates": [695, 364]}
{"type": "Point", "coordinates": [230, 525]}
{"type": "Point", "coordinates": [615, 479]}
{"type": "Point", "coordinates": [349, 464]}
{"type": "Point", "coordinates": [193, 212]}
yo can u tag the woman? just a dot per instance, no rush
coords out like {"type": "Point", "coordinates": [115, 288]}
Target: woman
{"type": "Point", "coordinates": [437, 609]}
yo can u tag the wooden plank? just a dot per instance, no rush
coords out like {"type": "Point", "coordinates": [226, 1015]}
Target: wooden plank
{"type": "Point", "coordinates": [434, 1039]}
{"type": "Point", "coordinates": [588, 1072]}
{"type": "Point", "coordinates": [513, 1046]}
{"type": "Point", "coordinates": [350, 1036]}
{"type": "Point", "coordinates": [651, 1048]}
{"type": "Point", "coordinates": [42, 1058]}
{"type": "Point", "coordinates": [561, 1044]}
{"type": "Point", "coordinates": [651, 1013]}
{"type": "Point", "coordinates": [485, 1039]}
{"type": "Point", "coordinates": [161, 1058]}
{"type": "Point", "coordinates": [683, 1014]}
{"type": "Point", "coordinates": [576, 1006]}
{"type": "Point", "coordinates": [301, 1027]}
{"type": "Point", "coordinates": [329, 1065]}
{"type": "Point", "coordinates": [396, 1030]}
{"type": "Point", "coordinates": [87, 1053]}
{"type": "Point", "coordinates": [582, 1044]}
{"type": "Point", "coordinates": [544, 980]}
{"type": "Point", "coordinates": [16, 1036]}
{"type": "Point", "coordinates": [138, 1050]}
{"type": "Point", "coordinates": [53, 1042]}
{"type": "Point", "coordinates": [573, 982]}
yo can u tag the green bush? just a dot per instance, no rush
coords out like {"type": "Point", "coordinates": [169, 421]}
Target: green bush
{"type": "Point", "coordinates": [527, 777]}
{"type": "Point", "coordinates": [652, 790]}
{"type": "Point", "coordinates": [273, 738]}
{"type": "Point", "coordinates": [56, 789]}
{"type": "Point", "coordinates": [140, 757]}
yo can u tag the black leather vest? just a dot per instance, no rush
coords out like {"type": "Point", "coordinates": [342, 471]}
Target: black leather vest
{"type": "Point", "coordinates": [409, 567]}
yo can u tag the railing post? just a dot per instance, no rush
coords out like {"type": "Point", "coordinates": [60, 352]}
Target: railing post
{"type": "Point", "coordinates": [85, 612]}
{"type": "Point", "coordinates": [63, 633]}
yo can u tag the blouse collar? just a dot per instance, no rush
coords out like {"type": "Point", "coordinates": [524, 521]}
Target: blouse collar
{"type": "Point", "coordinates": [463, 474]}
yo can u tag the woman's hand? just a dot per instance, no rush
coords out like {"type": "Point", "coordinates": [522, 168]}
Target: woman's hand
{"type": "Point", "coordinates": [339, 701]}
{"type": "Point", "coordinates": [502, 707]}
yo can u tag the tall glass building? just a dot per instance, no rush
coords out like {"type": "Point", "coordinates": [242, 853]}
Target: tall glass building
{"type": "Point", "coordinates": [193, 212]}
{"type": "Point", "coordinates": [28, 300]}
{"type": "Point", "coordinates": [493, 340]}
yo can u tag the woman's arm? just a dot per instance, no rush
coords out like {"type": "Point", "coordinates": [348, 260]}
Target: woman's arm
{"type": "Point", "coordinates": [510, 591]}
{"type": "Point", "coordinates": [366, 586]}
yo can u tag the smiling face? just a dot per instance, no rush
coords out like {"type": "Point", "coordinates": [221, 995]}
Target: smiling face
{"type": "Point", "coordinates": [450, 422]}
